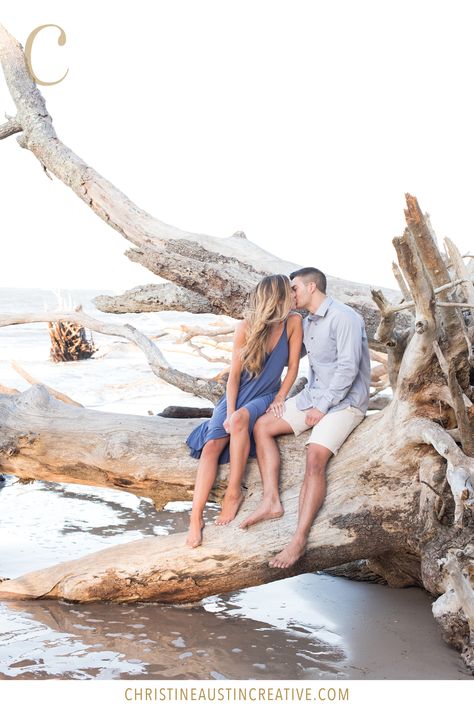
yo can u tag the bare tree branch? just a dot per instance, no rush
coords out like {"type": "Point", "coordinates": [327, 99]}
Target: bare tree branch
{"type": "Point", "coordinates": [10, 128]}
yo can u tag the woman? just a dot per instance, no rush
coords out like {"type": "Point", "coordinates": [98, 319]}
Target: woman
{"type": "Point", "coordinates": [266, 341]}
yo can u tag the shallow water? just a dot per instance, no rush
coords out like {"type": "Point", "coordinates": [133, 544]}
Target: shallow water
{"type": "Point", "coordinates": [308, 627]}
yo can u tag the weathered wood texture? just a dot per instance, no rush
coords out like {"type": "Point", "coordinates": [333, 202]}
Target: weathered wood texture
{"type": "Point", "coordinates": [154, 297]}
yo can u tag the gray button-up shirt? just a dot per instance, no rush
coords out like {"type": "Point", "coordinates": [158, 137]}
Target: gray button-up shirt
{"type": "Point", "coordinates": [339, 361]}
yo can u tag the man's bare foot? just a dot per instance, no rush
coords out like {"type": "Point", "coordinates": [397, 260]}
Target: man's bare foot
{"type": "Point", "coordinates": [289, 555]}
{"type": "Point", "coordinates": [230, 507]}
{"type": "Point", "coordinates": [194, 538]}
{"type": "Point", "coordinates": [265, 511]}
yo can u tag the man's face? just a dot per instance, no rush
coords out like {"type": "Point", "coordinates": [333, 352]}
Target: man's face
{"type": "Point", "coordinates": [301, 293]}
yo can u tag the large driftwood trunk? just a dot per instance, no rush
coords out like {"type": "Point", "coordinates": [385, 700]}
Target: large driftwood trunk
{"type": "Point", "coordinates": [362, 516]}
{"type": "Point", "coordinates": [400, 490]}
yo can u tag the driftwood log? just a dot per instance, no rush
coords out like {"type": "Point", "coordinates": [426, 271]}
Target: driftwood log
{"type": "Point", "coordinates": [154, 297]}
{"type": "Point", "coordinates": [180, 412]}
{"type": "Point", "coordinates": [401, 490]}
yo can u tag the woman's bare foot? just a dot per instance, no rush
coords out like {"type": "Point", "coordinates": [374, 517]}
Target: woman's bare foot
{"type": "Point", "coordinates": [194, 538]}
{"type": "Point", "coordinates": [289, 555]}
{"type": "Point", "coordinates": [265, 511]}
{"type": "Point", "coordinates": [230, 507]}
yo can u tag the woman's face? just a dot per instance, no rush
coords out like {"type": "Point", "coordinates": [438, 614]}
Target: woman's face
{"type": "Point", "coordinates": [289, 301]}
{"type": "Point", "coordinates": [293, 298]}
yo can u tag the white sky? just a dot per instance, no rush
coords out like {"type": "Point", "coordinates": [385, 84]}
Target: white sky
{"type": "Point", "coordinates": [300, 122]}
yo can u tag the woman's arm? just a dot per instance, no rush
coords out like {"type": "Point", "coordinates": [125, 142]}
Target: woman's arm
{"type": "Point", "coordinates": [232, 388]}
{"type": "Point", "coordinates": [295, 340]}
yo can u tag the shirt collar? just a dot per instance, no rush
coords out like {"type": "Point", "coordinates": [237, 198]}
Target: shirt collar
{"type": "Point", "coordinates": [322, 310]}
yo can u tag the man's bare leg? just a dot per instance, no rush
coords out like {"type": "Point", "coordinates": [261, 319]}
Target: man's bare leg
{"type": "Point", "coordinates": [239, 453]}
{"type": "Point", "coordinates": [266, 429]}
{"type": "Point", "coordinates": [205, 477]}
{"type": "Point", "coordinates": [312, 494]}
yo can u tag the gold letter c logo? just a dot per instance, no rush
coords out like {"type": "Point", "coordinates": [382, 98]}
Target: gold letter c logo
{"type": "Point", "coordinates": [29, 45]}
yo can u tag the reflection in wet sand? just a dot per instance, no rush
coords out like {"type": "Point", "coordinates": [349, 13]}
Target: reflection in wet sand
{"type": "Point", "coordinates": [52, 639]}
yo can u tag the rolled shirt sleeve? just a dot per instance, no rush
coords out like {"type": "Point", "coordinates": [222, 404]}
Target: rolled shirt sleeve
{"type": "Point", "coordinates": [349, 353]}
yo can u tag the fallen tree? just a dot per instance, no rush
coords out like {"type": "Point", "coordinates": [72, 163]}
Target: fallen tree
{"type": "Point", "coordinates": [401, 489]}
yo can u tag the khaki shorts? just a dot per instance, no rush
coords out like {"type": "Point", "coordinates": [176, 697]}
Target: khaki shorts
{"type": "Point", "coordinates": [331, 431]}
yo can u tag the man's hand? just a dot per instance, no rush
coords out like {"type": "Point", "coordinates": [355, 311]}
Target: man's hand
{"type": "Point", "coordinates": [313, 416]}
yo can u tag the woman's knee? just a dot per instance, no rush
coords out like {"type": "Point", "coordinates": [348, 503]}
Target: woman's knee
{"type": "Point", "coordinates": [262, 424]}
{"type": "Point", "coordinates": [212, 448]}
{"type": "Point", "coordinates": [239, 421]}
{"type": "Point", "coordinates": [270, 426]}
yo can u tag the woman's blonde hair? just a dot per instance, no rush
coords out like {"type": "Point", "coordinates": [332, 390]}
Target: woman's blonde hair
{"type": "Point", "coordinates": [270, 303]}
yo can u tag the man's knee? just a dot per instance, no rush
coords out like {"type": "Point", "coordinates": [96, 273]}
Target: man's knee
{"type": "Point", "coordinates": [239, 421]}
{"type": "Point", "coordinates": [317, 458]}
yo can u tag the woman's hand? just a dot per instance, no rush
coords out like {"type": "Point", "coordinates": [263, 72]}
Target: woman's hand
{"type": "Point", "coordinates": [226, 423]}
{"type": "Point", "coordinates": [277, 407]}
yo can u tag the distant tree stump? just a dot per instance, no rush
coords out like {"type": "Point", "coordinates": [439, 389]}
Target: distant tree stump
{"type": "Point", "coordinates": [69, 342]}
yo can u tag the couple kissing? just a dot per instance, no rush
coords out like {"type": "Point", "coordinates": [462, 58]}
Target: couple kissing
{"type": "Point", "coordinates": [254, 409]}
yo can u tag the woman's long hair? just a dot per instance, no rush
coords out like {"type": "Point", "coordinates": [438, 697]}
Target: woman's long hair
{"type": "Point", "coordinates": [270, 303]}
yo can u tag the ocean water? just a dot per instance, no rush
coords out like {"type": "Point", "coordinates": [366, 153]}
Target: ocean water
{"type": "Point", "coordinates": [308, 627]}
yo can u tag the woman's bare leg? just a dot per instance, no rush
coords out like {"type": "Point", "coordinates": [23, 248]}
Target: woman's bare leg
{"type": "Point", "coordinates": [267, 427]}
{"type": "Point", "coordinates": [239, 453]}
{"type": "Point", "coordinates": [205, 477]}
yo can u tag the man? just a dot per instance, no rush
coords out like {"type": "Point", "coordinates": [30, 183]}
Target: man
{"type": "Point", "coordinates": [332, 404]}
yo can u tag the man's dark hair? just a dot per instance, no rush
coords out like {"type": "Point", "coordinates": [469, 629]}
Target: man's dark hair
{"type": "Point", "coordinates": [309, 273]}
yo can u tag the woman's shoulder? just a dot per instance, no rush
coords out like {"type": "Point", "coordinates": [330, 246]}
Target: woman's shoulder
{"type": "Point", "coordinates": [295, 319]}
{"type": "Point", "coordinates": [240, 329]}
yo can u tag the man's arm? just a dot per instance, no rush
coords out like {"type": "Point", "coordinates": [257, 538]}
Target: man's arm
{"type": "Point", "coordinates": [349, 354]}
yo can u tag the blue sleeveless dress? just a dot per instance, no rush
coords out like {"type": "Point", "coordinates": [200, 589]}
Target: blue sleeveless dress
{"type": "Point", "coordinates": [255, 394]}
